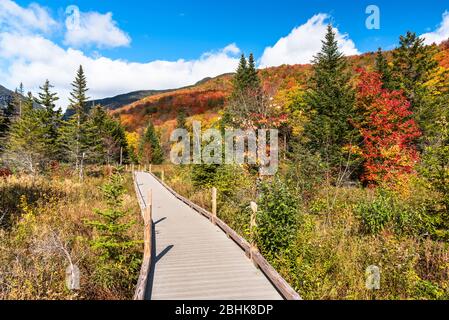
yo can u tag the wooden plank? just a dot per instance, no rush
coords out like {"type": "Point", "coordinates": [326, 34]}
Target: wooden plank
{"type": "Point", "coordinates": [146, 211]}
{"type": "Point", "coordinates": [274, 277]}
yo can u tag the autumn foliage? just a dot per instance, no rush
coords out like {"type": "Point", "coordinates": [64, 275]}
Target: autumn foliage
{"type": "Point", "coordinates": [388, 131]}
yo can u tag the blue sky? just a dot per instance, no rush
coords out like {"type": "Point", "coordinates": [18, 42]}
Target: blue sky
{"type": "Point", "coordinates": [134, 45]}
{"type": "Point", "coordinates": [176, 29]}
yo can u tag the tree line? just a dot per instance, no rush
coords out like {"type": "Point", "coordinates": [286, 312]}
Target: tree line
{"type": "Point", "coordinates": [372, 126]}
{"type": "Point", "coordinates": [35, 136]}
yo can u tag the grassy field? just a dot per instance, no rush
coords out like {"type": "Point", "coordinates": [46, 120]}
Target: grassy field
{"type": "Point", "coordinates": [331, 247]}
{"type": "Point", "coordinates": [43, 228]}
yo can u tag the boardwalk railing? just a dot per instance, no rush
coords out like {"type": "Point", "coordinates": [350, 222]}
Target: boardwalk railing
{"type": "Point", "coordinates": [275, 278]}
{"type": "Point", "coordinates": [146, 208]}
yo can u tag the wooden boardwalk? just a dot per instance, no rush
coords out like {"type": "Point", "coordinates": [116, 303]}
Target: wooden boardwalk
{"type": "Point", "coordinates": [192, 258]}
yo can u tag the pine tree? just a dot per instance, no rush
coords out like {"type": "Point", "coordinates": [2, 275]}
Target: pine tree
{"type": "Point", "coordinates": [104, 137]}
{"type": "Point", "coordinates": [382, 68]}
{"type": "Point", "coordinates": [28, 141]}
{"type": "Point", "coordinates": [150, 148]}
{"type": "Point", "coordinates": [248, 103]}
{"type": "Point", "coordinates": [6, 116]}
{"type": "Point", "coordinates": [78, 98]}
{"type": "Point", "coordinates": [240, 79]}
{"type": "Point", "coordinates": [252, 78]}
{"type": "Point", "coordinates": [17, 100]}
{"type": "Point", "coordinates": [112, 241]}
{"type": "Point", "coordinates": [73, 139]}
{"type": "Point", "coordinates": [46, 97]}
{"type": "Point", "coordinates": [50, 118]}
{"type": "Point", "coordinates": [330, 103]}
{"type": "Point", "coordinates": [181, 119]}
{"type": "Point", "coordinates": [413, 65]}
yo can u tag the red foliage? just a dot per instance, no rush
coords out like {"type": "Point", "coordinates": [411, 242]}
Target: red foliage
{"type": "Point", "coordinates": [5, 172]}
{"type": "Point", "coordinates": [274, 121]}
{"type": "Point", "coordinates": [388, 130]}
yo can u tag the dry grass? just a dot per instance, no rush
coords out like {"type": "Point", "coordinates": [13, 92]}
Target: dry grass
{"type": "Point", "coordinates": [43, 227]}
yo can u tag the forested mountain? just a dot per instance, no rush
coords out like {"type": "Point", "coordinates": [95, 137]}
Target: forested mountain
{"type": "Point", "coordinates": [5, 96]}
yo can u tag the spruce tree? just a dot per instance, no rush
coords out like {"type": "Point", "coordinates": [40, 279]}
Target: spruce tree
{"type": "Point", "coordinates": [104, 137]}
{"type": "Point", "coordinates": [47, 98]}
{"type": "Point", "coordinates": [78, 98]}
{"type": "Point", "coordinates": [73, 139]}
{"type": "Point", "coordinates": [181, 119]}
{"type": "Point", "coordinates": [240, 79]}
{"type": "Point", "coordinates": [28, 141]}
{"type": "Point", "coordinates": [50, 118]}
{"type": "Point", "coordinates": [331, 106]}
{"type": "Point", "coordinates": [6, 116]}
{"type": "Point", "coordinates": [413, 65]}
{"type": "Point", "coordinates": [382, 67]}
{"type": "Point", "coordinates": [150, 148]}
{"type": "Point", "coordinates": [252, 78]}
{"type": "Point", "coordinates": [112, 240]}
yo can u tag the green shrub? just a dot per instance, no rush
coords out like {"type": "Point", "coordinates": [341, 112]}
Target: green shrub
{"type": "Point", "coordinates": [119, 254]}
{"type": "Point", "coordinates": [376, 214]}
{"type": "Point", "coordinates": [277, 215]}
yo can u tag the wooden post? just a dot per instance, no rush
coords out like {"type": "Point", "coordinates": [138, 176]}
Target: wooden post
{"type": "Point", "coordinates": [253, 225]}
{"type": "Point", "coordinates": [121, 156]}
{"type": "Point", "coordinates": [214, 205]}
{"type": "Point", "coordinates": [132, 167]}
{"type": "Point", "coordinates": [163, 176]}
{"type": "Point", "coordinates": [148, 217]}
{"type": "Point", "coordinates": [151, 168]}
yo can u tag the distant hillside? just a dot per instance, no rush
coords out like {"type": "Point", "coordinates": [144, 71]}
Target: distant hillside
{"type": "Point", "coordinates": [5, 96]}
{"type": "Point", "coordinates": [204, 99]}
{"type": "Point", "coordinates": [121, 100]}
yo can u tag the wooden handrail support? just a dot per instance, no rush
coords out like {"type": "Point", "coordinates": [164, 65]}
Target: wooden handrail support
{"type": "Point", "coordinates": [147, 214]}
{"type": "Point", "coordinates": [214, 205]}
{"type": "Point", "coordinates": [272, 275]}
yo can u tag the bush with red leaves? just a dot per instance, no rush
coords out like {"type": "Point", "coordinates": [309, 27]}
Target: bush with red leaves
{"type": "Point", "coordinates": [5, 172]}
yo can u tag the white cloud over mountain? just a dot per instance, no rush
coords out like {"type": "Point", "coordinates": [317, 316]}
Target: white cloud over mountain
{"type": "Point", "coordinates": [440, 34]}
{"type": "Point", "coordinates": [303, 43]}
{"type": "Point", "coordinates": [28, 55]}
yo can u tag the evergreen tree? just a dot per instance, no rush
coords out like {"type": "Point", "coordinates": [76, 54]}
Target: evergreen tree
{"type": "Point", "coordinates": [413, 65]}
{"type": "Point", "coordinates": [382, 68]}
{"type": "Point", "coordinates": [150, 148]}
{"type": "Point", "coordinates": [248, 102]}
{"type": "Point", "coordinates": [73, 139]}
{"type": "Point", "coordinates": [240, 79]}
{"type": "Point", "coordinates": [17, 100]}
{"type": "Point", "coordinates": [78, 98]}
{"type": "Point", "coordinates": [46, 97]}
{"type": "Point", "coordinates": [50, 118]}
{"type": "Point", "coordinates": [331, 106]}
{"type": "Point", "coordinates": [181, 119]}
{"type": "Point", "coordinates": [104, 136]}
{"type": "Point", "coordinates": [6, 116]}
{"type": "Point", "coordinates": [28, 141]}
{"type": "Point", "coordinates": [252, 77]}
{"type": "Point", "coordinates": [112, 240]}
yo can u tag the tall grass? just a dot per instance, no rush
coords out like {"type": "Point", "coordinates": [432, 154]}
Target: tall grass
{"type": "Point", "coordinates": [43, 229]}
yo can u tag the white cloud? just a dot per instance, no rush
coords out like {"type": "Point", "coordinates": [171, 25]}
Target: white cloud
{"type": "Point", "coordinates": [18, 19]}
{"type": "Point", "coordinates": [93, 28]}
{"type": "Point", "coordinates": [439, 35]}
{"type": "Point", "coordinates": [303, 43]}
{"type": "Point", "coordinates": [32, 58]}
